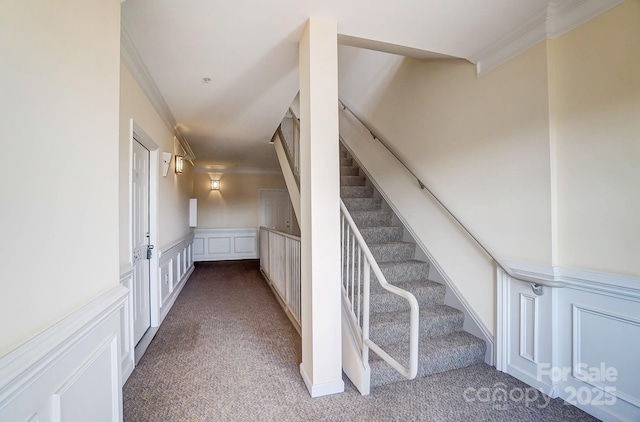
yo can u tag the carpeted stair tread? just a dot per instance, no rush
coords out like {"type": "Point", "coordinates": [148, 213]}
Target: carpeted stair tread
{"type": "Point", "coordinates": [356, 191]}
{"type": "Point", "coordinates": [392, 251]}
{"type": "Point", "coordinates": [406, 270]}
{"type": "Point", "coordinates": [382, 234]}
{"type": "Point", "coordinates": [393, 327]}
{"type": "Point", "coordinates": [371, 218]}
{"type": "Point", "coordinates": [427, 293]}
{"type": "Point", "coordinates": [436, 354]}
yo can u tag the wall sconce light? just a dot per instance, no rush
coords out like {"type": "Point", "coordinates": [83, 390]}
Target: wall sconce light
{"type": "Point", "coordinates": [215, 185]}
{"type": "Point", "coordinates": [179, 164]}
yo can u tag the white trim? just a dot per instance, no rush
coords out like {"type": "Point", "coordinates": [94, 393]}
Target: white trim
{"type": "Point", "coordinates": [502, 320]}
{"type": "Point", "coordinates": [609, 284]}
{"type": "Point", "coordinates": [126, 324]}
{"type": "Point", "coordinates": [132, 60]}
{"type": "Point", "coordinates": [110, 346]}
{"type": "Point", "coordinates": [138, 134]}
{"type": "Point", "coordinates": [204, 251]}
{"type": "Point", "coordinates": [318, 390]}
{"type": "Point", "coordinates": [576, 357]}
{"type": "Point", "coordinates": [555, 19]}
{"type": "Point", "coordinates": [26, 364]}
{"type": "Point", "coordinates": [175, 248]}
{"type": "Point", "coordinates": [178, 258]}
{"type": "Point", "coordinates": [532, 330]}
{"type": "Point", "coordinates": [615, 285]}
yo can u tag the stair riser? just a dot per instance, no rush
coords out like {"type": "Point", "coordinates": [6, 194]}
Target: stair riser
{"type": "Point", "coordinates": [371, 218]}
{"type": "Point", "coordinates": [473, 354]}
{"type": "Point", "coordinates": [346, 161]}
{"type": "Point", "coordinates": [373, 235]}
{"type": "Point", "coordinates": [356, 191]}
{"type": "Point", "coordinates": [432, 327]}
{"type": "Point", "coordinates": [397, 272]}
{"type": "Point", "coordinates": [393, 251]}
{"type": "Point", "coordinates": [389, 302]}
{"type": "Point", "coordinates": [349, 171]}
{"type": "Point", "coordinates": [353, 181]}
{"type": "Point", "coordinates": [363, 204]}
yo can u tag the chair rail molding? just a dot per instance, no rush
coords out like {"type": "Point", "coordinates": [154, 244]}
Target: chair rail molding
{"type": "Point", "coordinates": [592, 326]}
{"type": "Point", "coordinates": [46, 377]}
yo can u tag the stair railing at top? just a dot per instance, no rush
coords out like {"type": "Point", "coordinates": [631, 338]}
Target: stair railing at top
{"type": "Point", "coordinates": [357, 263]}
{"type": "Point", "coordinates": [536, 283]}
{"type": "Point", "coordinates": [289, 132]}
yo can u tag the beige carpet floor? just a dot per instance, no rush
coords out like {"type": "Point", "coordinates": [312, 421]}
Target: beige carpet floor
{"type": "Point", "coordinates": [227, 352]}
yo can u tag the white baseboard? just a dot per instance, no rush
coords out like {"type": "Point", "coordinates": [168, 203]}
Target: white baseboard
{"type": "Point", "coordinates": [319, 390]}
{"type": "Point", "coordinates": [72, 368]}
{"type": "Point", "coordinates": [225, 244]}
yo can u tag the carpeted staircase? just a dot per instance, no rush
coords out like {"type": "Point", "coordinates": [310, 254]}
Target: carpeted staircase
{"type": "Point", "coordinates": [443, 343]}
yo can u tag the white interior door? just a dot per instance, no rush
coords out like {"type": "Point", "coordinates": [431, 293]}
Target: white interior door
{"type": "Point", "coordinates": [275, 209]}
{"type": "Point", "coordinates": [141, 245]}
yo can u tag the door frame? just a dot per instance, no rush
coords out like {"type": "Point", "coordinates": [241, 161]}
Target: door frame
{"type": "Point", "coordinates": [136, 133]}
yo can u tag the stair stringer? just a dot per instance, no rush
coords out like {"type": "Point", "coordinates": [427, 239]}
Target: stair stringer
{"type": "Point", "coordinates": [289, 178]}
{"type": "Point", "coordinates": [358, 371]}
{"type": "Point", "coordinates": [472, 322]}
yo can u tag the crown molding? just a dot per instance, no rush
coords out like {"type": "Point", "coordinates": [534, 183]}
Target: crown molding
{"type": "Point", "coordinates": [555, 19]}
{"type": "Point", "coordinates": [131, 58]}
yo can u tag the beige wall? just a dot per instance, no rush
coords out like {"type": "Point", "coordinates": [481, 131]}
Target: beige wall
{"type": "Point", "coordinates": [174, 189]}
{"type": "Point", "coordinates": [481, 144]}
{"type": "Point", "coordinates": [58, 186]}
{"type": "Point", "coordinates": [237, 203]}
{"type": "Point", "coordinates": [597, 67]}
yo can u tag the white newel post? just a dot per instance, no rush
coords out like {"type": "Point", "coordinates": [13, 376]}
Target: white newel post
{"type": "Point", "coordinates": [321, 365]}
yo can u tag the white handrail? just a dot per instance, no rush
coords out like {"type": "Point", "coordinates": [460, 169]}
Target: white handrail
{"type": "Point", "coordinates": [536, 283]}
{"type": "Point", "coordinates": [349, 262]}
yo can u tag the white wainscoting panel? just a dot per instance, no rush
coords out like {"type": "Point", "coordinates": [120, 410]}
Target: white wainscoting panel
{"type": "Point", "coordinates": [126, 325]}
{"type": "Point", "coordinates": [524, 340]}
{"type": "Point", "coordinates": [587, 353]}
{"type": "Point", "coordinates": [176, 266]}
{"type": "Point", "coordinates": [71, 371]}
{"type": "Point", "coordinates": [225, 244]}
{"type": "Point", "coordinates": [528, 326]}
{"type": "Point", "coordinates": [72, 402]}
{"type": "Point", "coordinates": [598, 334]}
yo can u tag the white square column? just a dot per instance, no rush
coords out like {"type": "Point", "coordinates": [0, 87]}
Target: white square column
{"type": "Point", "coordinates": [321, 366]}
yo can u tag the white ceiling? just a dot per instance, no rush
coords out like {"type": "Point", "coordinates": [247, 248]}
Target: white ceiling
{"type": "Point", "coordinates": [249, 49]}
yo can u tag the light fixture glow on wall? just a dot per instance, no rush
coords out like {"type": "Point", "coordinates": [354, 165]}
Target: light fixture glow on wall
{"type": "Point", "coordinates": [215, 185]}
{"type": "Point", "coordinates": [179, 164]}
